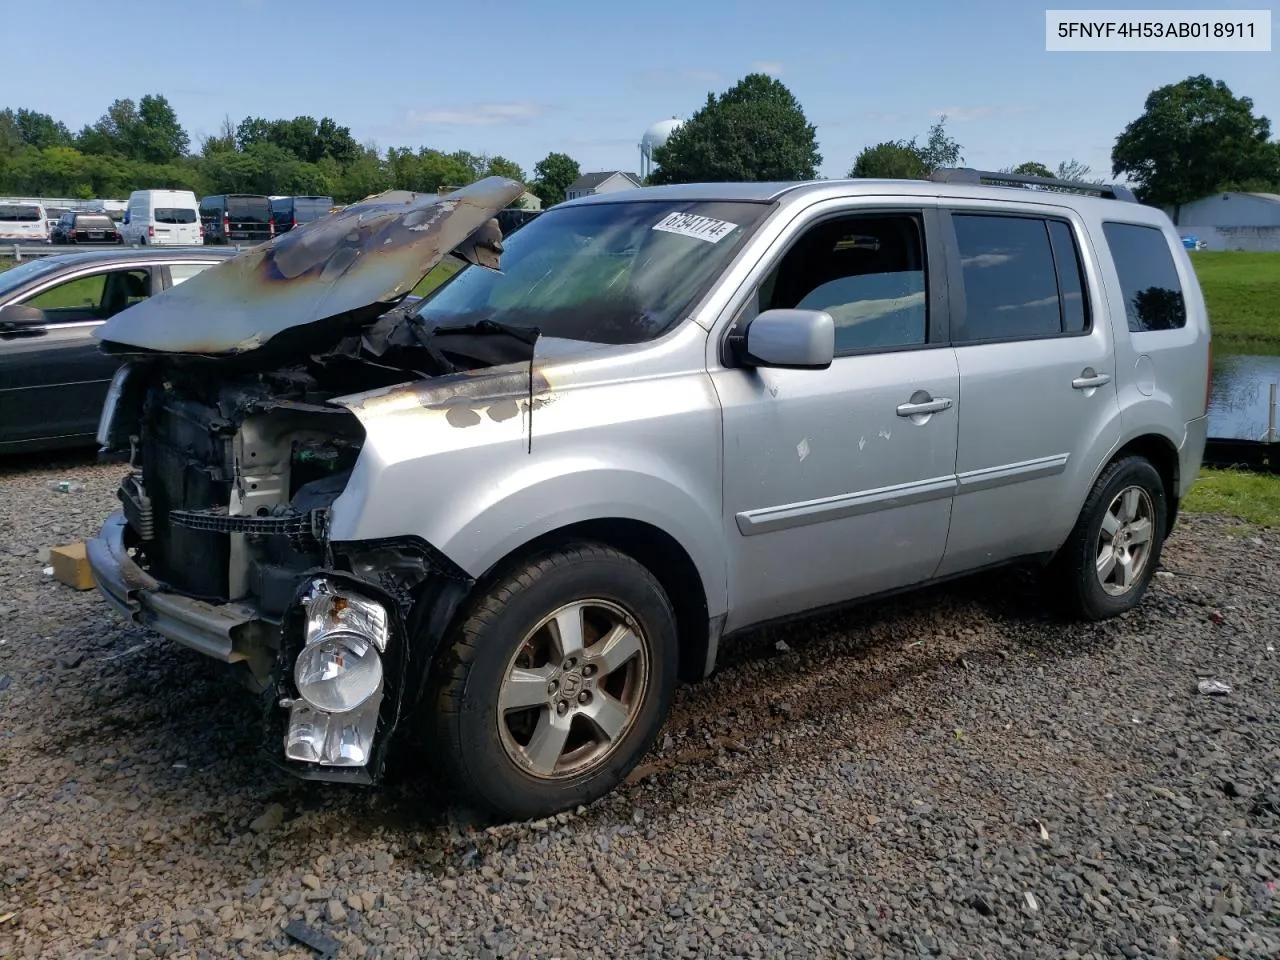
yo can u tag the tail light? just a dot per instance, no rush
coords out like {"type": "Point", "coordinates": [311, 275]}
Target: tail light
{"type": "Point", "coordinates": [151, 231]}
{"type": "Point", "coordinates": [226, 225]}
{"type": "Point", "coordinates": [271, 228]}
{"type": "Point", "coordinates": [294, 224]}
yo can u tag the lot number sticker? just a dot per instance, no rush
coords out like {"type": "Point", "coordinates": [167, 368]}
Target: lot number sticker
{"type": "Point", "coordinates": [700, 228]}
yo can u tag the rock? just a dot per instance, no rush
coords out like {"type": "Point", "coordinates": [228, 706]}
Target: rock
{"type": "Point", "coordinates": [311, 881]}
{"type": "Point", "coordinates": [336, 912]}
{"type": "Point", "coordinates": [269, 819]}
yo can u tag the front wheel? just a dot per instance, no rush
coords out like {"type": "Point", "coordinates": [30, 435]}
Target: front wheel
{"type": "Point", "coordinates": [1105, 566]}
{"type": "Point", "coordinates": [557, 682]}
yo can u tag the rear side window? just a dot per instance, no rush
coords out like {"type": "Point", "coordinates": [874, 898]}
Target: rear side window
{"type": "Point", "coordinates": [1010, 286]}
{"type": "Point", "coordinates": [1153, 297]}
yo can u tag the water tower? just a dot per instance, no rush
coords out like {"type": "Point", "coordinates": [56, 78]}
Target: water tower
{"type": "Point", "coordinates": [653, 138]}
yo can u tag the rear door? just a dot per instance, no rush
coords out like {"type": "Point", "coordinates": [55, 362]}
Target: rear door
{"type": "Point", "coordinates": [1039, 406]}
{"type": "Point", "coordinates": [53, 384]}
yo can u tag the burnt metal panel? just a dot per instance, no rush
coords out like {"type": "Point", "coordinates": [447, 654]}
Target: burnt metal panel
{"type": "Point", "coordinates": [371, 252]}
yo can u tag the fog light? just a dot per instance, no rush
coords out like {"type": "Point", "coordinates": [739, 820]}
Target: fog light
{"type": "Point", "coordinates": [332, 740]}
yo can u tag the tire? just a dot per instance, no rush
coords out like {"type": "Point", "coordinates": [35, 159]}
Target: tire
{"type": "Point", "coordinates": [498, 760]}
{"type": "Point", "coordinates": [1075, 571]}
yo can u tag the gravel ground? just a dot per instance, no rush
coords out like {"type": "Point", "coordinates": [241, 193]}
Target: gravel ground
{"type": "Point", "coordinates": [954, 774]}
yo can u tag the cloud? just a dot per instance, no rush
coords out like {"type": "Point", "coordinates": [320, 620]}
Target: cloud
{"type": "Point", "coordinates": [977, 113]}
{"type": "Point", "coordinates": [483, 114]}
{"type": "Point", "coordinates": [771, 67]}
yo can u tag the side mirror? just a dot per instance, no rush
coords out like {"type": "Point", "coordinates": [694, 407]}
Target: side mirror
{"type": "Point", "coordinates": [20, 320]}
{"type": "Point", "coordinates": [791, 339]}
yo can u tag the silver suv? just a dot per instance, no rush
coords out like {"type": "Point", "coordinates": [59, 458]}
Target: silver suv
{"type": "Point", "coordinates": [501, 521]}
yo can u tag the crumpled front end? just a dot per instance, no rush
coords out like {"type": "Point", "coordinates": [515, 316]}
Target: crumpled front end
{"type": "Point", "coordinates": [237, 451]}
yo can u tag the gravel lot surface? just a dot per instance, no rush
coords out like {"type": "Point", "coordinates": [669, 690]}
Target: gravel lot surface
{"type": "Point", "coordinates": [954, 774]}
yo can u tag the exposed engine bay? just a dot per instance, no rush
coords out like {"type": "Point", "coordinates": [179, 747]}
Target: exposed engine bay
{"type": "Point", "coordinates": [237, 453]}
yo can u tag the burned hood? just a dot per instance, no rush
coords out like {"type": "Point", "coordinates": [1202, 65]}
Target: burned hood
{"type": "Point", "coordinates": [372, 252]}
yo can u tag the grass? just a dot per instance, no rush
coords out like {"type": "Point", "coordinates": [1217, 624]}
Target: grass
{"type": "Point", "coordinates": [1242, 293]}
{"type": "Point", "coordinates": [441, 272]}
{"type": "Point", "coordinates": [1252, 497]}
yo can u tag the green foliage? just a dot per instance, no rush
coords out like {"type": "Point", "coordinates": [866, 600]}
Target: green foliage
{"type": "Point", "coordinates": [142, 145]}
{"type": "Point", "coordinates": [1192, 137]}
{"type": "Point", "coordinates": [1032, 169]}
{"type": "Point", "coordinates": [552, 176]}
{"type": "Point", "coordinates": [909, 159]}
{"type": "Point", "coordinates": [891, 160]}
{"type": "Point", "coordinates": [754, 131]}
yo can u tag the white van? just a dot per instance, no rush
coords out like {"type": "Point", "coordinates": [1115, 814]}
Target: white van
{"type": "Point", "coordinates": [23, 222]}
{"type": "Point", "coordinates": [162, 217]}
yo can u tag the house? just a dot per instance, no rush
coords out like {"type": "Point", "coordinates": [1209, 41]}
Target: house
{"type": "Point", "coordinates": [607, 181]}
{"type": "Point", "coordinates": [1232, 221]}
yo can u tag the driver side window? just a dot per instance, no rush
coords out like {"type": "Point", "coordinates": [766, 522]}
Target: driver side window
{"type": "Point", "coordinates": [867, 271]}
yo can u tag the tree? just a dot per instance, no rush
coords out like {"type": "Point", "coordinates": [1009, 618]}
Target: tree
{"type": "Point", "coordinates": [156, 136]}
{"type": "Point", "coordinates": [41, 130]}
{"type": "Point", "coordinates": [552, 176]}
{"type": "Point", "coordinates": [891, 160]}
{"type": "Point", "coordinates": [502, 167]}
{"type": "Point", "coordinates": [1032, 169]}
{"type": "Point", "coordinates": [1075, 170]}
{"type": "Point", "coordinates": [909, 159]}
{"type": "Point", "coordinates": [756, 130]}
{"type": "Point", "coordinates": [939, 149]}
{"type": "Point", "coordinates": [1192, 137]}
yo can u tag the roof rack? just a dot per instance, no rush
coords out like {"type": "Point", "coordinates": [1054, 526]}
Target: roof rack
{"type": "Point", "coordinates": [1108, 191]}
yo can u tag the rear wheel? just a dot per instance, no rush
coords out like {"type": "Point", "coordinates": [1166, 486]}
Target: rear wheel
{"type": "Point", "coordinates": [557, 682]}
{"type": "Point", "coordinates": [1107, 563]}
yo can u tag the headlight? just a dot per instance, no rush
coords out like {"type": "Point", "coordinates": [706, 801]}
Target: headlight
{"type": "Point", "coordinates": [338, 674]}
{"type": "Point", "coordinates": [339, 667]}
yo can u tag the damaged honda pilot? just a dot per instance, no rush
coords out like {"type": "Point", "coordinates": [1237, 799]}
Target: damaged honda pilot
{"type": "Point", "coordinates": [497, 523]}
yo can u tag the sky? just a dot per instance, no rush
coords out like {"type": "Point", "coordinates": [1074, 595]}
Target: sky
{"type": "Point", "coordinates": [523, 79]}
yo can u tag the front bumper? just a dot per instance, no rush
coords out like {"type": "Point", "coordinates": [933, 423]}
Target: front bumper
{"type": "Point", "coordinates": [230, 632]}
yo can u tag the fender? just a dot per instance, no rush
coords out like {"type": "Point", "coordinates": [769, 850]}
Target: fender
{"type": "Point", "coordinates": [479, 488]}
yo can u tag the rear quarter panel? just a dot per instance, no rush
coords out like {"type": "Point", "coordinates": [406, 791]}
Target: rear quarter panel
{"type": "Point", "coordinates": [1162, 375]}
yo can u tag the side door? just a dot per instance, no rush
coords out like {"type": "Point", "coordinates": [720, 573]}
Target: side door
{"type": "Point", "coordinates": [838, 483]}
{"type": "Point", "coordinates": [53, 381]}
{"type": "Point", "coordinates": [1038, 378]}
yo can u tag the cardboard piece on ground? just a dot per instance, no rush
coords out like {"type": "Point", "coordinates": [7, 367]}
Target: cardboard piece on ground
{"type": "Point", "coordinates": [71, 566]}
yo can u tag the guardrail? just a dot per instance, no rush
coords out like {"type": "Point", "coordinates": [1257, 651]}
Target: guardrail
{"type": "Point", "coordinates": [26, 251]}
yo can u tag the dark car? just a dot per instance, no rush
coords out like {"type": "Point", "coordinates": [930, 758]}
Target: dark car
{"type": "Point", "coordinates": [236, 218]}
{"type": "Point", "coordinates": [290, 212]}
{"type": "Point", "coordinates": [53, 376]}
{"type": "Point", "coordinates": [74, 227]}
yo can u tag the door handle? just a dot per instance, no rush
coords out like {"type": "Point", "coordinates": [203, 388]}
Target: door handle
{"type": "Point", "coordinates": [924, 407]}
{"type": "Point", "coordinates": [1089, 380]}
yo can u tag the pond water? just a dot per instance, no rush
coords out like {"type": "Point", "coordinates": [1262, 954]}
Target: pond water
{"type": "Point", "coordinates": [1241, 391]}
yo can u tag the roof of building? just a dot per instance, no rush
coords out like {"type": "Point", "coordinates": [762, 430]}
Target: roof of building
{"type": "Point", "coordinates": [589, 181]}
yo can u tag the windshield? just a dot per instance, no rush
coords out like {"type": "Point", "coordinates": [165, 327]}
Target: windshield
{"type": "Point", "coordinates": [12, 213]}
{"type": "Point", "coordinates": [15, 277]}
{"type": "Point", "coordinates": [175, 215]}
{"type": "Point", "coordinates": [94, 221]}
{"type": "Point", "coordinates": [607, 273]}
